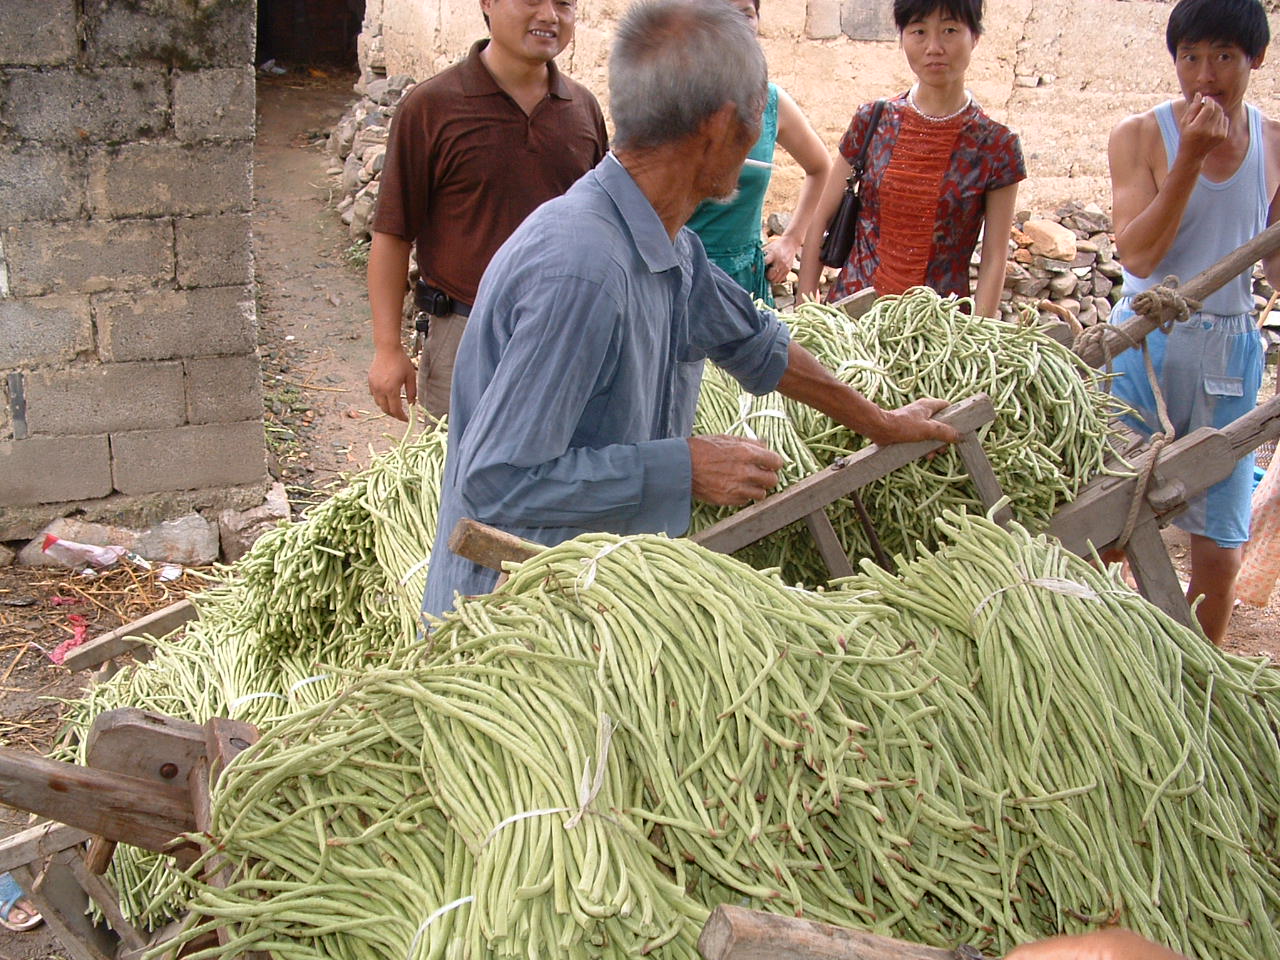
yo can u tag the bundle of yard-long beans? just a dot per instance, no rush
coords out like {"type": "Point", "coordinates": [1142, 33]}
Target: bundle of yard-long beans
{"type": "Point", "coordinates": [999, 743]}
{"type": "Point", "coordinates": [1048, 440]}
{"type": "Point", "coordinates": [340, 589]}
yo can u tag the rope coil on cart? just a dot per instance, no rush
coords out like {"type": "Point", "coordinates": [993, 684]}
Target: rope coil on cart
{"type": "Point", "coordinates": [1164, 306]}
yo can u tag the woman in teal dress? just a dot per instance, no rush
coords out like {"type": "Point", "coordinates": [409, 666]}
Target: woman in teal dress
{"type": "Point", "coordinates": [731, 231]}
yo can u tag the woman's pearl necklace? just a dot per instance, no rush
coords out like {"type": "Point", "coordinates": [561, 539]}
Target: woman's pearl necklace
{"type": "Point", "coordinates": [911, 100]}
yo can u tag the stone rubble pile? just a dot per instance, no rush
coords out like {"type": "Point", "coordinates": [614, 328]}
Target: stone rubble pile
{"type": "Point", "coordinates": [358, 146]}
{"type": "Point", "coordinates": [190, 539]}
{"type": "Point", "coordinates": [1067, 257]}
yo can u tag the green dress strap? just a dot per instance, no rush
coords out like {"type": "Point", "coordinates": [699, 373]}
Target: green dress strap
{"type": "Point", "coordinates": [731, 232]}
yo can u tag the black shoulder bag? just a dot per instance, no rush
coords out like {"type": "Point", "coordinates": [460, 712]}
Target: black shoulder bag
{"type": "Point", "coordinates": [838, 240]}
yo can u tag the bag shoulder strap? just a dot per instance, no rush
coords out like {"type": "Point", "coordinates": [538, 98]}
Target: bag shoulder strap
{"type": "Point", "coordinates": [860, 163]}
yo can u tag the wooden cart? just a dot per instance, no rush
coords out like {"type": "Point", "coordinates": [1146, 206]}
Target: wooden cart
{"type": "Point", "coordinates": [146, 783]}
{"type": "Point", "coordinates": [147, 778]}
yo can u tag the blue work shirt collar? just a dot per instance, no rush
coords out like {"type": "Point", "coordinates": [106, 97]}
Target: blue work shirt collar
{"type": "Point", "coordinates": [647, 230]}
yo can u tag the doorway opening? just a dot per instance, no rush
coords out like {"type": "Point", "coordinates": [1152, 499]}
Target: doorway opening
{"type": "Point", "coordinates": [303, 32]}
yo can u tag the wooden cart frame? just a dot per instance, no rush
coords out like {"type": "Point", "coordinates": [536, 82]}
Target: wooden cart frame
{"type": "Point", "coordinates": [147, 777]}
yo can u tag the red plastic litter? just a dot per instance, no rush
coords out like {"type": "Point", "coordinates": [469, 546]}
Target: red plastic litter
{"type": "Point", "coordinates": [81, 628]}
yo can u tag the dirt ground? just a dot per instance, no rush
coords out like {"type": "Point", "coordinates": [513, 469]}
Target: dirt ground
{"type": "Point", "coordinates": [321, 423]}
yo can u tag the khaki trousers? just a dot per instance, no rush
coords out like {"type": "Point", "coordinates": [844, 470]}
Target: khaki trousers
{"type": "Point", "coordinates": [435, 363]}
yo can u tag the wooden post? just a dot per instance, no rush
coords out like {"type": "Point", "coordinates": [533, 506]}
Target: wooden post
{"type": "Point", "coordinates": [1154, 573]}
{"type": "Point", "coordinates": [224, 740]}
{"type": "Point", "coordinates": [829, 546]}
{"type": "Point", "coordinates": [984, 478]}
{"type": "Point", "coordinates": [63, 904]}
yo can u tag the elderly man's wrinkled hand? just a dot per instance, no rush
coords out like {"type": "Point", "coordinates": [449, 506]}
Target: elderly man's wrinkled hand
{"type": "Point", "coordinates": [913, 423]}
{"type": "Point", "coordinates": [732, 471]}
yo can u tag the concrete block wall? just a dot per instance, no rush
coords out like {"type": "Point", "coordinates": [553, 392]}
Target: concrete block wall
{"type": "Point", "coordinates": [129, 375]}
{"type": "Point", "coordinates": [1061, 73]}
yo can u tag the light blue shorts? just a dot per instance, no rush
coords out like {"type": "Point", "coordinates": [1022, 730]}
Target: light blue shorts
{"type": "Point", "coordinates": [1210, 370]}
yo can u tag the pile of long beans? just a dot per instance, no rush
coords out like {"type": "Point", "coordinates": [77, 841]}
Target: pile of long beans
{"type": "Point", "coordinates": [998, 743]}
{"type": "Point", "coordinates": [339, 590]}
{"type": "Point", "coordinates": [357, 565]}
{"type": "Point", "coordinates": [1049, 438]}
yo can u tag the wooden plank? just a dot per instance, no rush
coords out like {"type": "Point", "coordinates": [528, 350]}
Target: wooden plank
{"type": "Point", "coordinates": [164, 935]}
{"type": "Point", "coordinates": [108, 901]}
{"type": "Point", "coordinates": [983, 477]}
{"type": "Point", "coordinates": [857, 303]}
{"type": "Point", "coordinates": [1154, 573]}
{"type": "Point", "coordinates": [123, 639]}
{"type": "Point", "coordinates": [98, 857]}
{"type": "Point", "coordinates": [489, 546]}
{"type": "Point", "coordinates": [63, 903]}
{"type": "Point", "coordinates": [1197, 288]}
{"type": "Point", "coordinates": [1188, 466]}
{"type": "Point", "coordinates": [118, 807]}
{"type": "Point", "coordinates": [1258, 426]}
{"type": "Point", "coordinates": [829, 546]}
{"type": "Point", "coordinates": [1097, 516]}
{"type": "Point", "coordinates": [736, 933]}
{"type": "Point", "coordinates": [36, 843]}
{"type": "Point", "coordinates": [140, 743]}
{"type": "Point", "coordinates": [762, 518]}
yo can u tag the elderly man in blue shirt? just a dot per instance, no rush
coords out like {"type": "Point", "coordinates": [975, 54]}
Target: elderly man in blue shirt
{"type": "Point", "coordinates": [576, 381]}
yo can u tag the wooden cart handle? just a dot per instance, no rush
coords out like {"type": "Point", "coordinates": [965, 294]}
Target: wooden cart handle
{"type": "Point", "coordinates": [1122, 336]}
{"type": "Point", "coordinates": [489, 546]}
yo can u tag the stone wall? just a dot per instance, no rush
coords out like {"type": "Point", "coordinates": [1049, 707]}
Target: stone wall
{"type": "Point", "coordinates": [1060, 72]}
{"type": "Point", "coordinates": [129, 378]}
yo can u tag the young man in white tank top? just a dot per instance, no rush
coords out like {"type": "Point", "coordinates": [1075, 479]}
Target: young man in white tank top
{"type": "Point", "coordinates": [1191, 180]}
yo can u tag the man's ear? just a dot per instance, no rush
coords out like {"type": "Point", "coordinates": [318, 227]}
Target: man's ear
{"type": "Point", "coordinates": [721, 124]}
{"type": "Point", "coordinates": [1257, 61]}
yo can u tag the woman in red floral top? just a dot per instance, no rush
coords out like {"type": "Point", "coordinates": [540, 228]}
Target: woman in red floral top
{"type": "Point", "coordinates": [938, 168]}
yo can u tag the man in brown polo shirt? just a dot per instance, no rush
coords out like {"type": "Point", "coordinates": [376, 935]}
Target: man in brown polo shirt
{"type": "Point", "coordinates": [471, 153]}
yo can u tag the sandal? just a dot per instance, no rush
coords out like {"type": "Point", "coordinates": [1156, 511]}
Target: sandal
{"type": "Point", "coordinates": [11, 901]}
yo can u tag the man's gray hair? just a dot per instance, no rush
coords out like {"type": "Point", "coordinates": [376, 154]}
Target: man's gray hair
{"type": "Point", "coordinates": [675, 63]}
